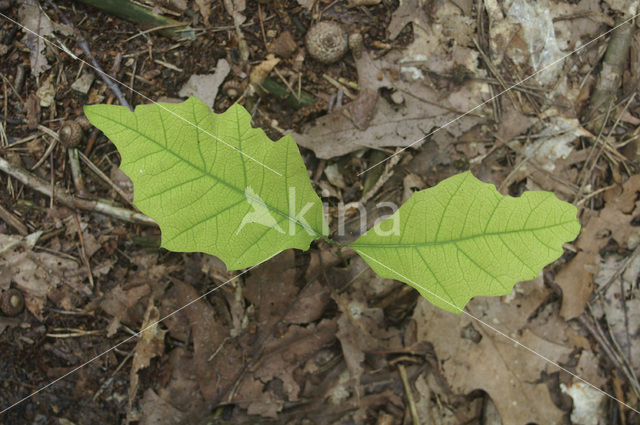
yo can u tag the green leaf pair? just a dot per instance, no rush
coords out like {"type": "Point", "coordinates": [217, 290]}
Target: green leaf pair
{"type": "Point", "coordinates": [215, 184]}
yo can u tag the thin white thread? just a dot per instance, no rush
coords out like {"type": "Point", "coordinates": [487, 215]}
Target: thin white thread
{"type": "Point", "coordinates": [143, 96]}
{"type": "Point", "coordinates": [499, 332]}
{"type": "Point", "coordinates": [497, 95]}
{"type": "Point", "coordinates": [123, 341]}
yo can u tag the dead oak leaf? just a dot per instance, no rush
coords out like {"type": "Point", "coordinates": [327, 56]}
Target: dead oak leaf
{"type": "Point", "coordinates": [473, 357]}
{"type": "Point", "coordinates": [38, 25]}
{"type": "Point", "coordinates": [38, 274]}
{"type": "Point", "coordinates": [612, 222]}
{"type": "Point", "coordinates": [280, 359]}
{"type": "Point", "coordinates": [150, 344]}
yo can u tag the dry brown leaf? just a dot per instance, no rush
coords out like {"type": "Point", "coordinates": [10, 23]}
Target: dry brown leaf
{"type": "Point", "coordinates": [39, 25]}
{"type": "Point", "coordinates": [235, 9]}
{"type": "Point", "coordinates": [361, 109]}
{"type": "Point", "coordinates": [612, 222]}
{"type": "Point", "coordinates": [156, 411]}
{"type": "Point", "coordinates": [181, 390]}
{"type": "Point", "coordinates": [361, 329]}
{"type": "Point", "coordinates": [310, 304]}
{"type": "Point", "coordinates": [263, 69]}
{"type": "Point", "coordinates": [124, 304]}
{"type": "Point", "coordinates": [620, 305]}
{"type": "Point", "coordinates": [204, 6]}
{"type": "Point", "coordinates": [283, 46]}
{"type": "Point", "coordinates": [32, 107]}
{"type": "Point", "coordinates": [205, 87]}
{"type": "Point", "coordinates": [425, 107]}
{"type": "Point", "coordinates": [307, 4]}
{"type": "Point", "coordinates": [513, 122]}
{"type": "Point", "coordinates": [272, 289]}
{"type": "Point", "coordinates": [216, 362]}
{"type": "Point", "coordinates": [473, 357]}
{"type": "Point", "coordinates": [150, 344]}
{"type": "Point", "coordinates": [409, 11]}
{"type": "Point", "coordinates": [38, 274]}
{"type": "Point", "coordinates": [282, 357]}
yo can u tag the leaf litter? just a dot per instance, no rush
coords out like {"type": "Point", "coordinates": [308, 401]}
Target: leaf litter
{"type": "Point", "coordinates": [204, 351]}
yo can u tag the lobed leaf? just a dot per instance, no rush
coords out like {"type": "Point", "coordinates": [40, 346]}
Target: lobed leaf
{"type": "Point", "coordinates": [461, 239]}
{"type": "Point", "coordinates": [212, 182]}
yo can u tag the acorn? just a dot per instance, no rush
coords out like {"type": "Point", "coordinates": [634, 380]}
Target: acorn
{"type": "Point", "coordinates": [70, 134]}
{"type": "Point", "coordinates": [326, 41]}
{"type": "Point", "coordinates": [232, 89]}
{"type": "Point", "coordinates": [12, 302]}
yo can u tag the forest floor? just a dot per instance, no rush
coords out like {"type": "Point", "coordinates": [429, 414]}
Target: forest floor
{"type": "Point", "coordinates": [527, 95]}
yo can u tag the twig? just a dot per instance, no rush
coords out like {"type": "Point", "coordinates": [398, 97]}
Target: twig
{"type": "Point", "coordinates": [611, 73]}
{"type": "Point", "coordinates": [98, 206]}
{"type": "Point", "coordinates": [495, 72]}
{"type": "Point", "coordinates": [594, 329]}
{"type": "Point", "coordinates": [76, 174]}
{"type": "Point", "coordinates": [85, 48]}
{"type": "Point", "coordinates": [286, 83]}
{"type": "Point", "coordinates": [104, 177]}
{"type": "Point", "coordinates": [51, 146]}
{"type": "Point", "coordinates": [339, 85]}
{"type": "Point", "coordinates": [46, 154]}
{"type": "Point", "coordinates": [386, 175]}
{"type": "Point", "coordinates": [13, 221]}
{"type": "Point", "coordinates": [75, 333]}
{"type": "Point", "coordinates": [409, 393]}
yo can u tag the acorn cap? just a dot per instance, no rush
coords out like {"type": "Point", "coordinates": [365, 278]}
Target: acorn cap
{"type": "Point", "coordinates": [70, 134]}
{"type": "Point", "coordinates": [326, 41]}
{"type": "Point", "coordinates": [12, 302]}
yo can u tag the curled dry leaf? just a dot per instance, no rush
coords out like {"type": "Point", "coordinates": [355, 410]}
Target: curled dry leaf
{"type": "Point", "coordinates": [39, 26]}
{"type": "Point", "coordinates": [263, 69]}
{"type": "Point", "coordinates": [205, 86]}
{"type": "Point", "coordinates": [204, 6]}
{"type": "Point", "coordinates": [149, 345]}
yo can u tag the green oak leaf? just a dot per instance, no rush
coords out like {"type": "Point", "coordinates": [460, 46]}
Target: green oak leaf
{"type": "Point", "coordinates": [212, 182]}
{"type": "Point", "coordinates": [462, 238]}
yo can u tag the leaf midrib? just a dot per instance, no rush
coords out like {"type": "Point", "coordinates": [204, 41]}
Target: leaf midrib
{"type": "Point", "coordinates": [206, 173]}
{"type": "Point", "coordinates": [454, 241]}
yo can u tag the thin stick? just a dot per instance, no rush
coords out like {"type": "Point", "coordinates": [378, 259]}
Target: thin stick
{"type": "Point", "coordinates": [98, 206]}
{"type": "Point", "coordinates": [76, 174]}
{"type": "Point", "coordinates": [85, 48]}
{"type": "Point", "coordinates": [93, 167]}
{"type": "Point", "coordinates": [46, 154]}
{"type": "Point", "coordinates": [13, 221]}
{"type": "Point", "coordinates": [407, 389]}
{"type": "Point", "coordinates": [340, 86]}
